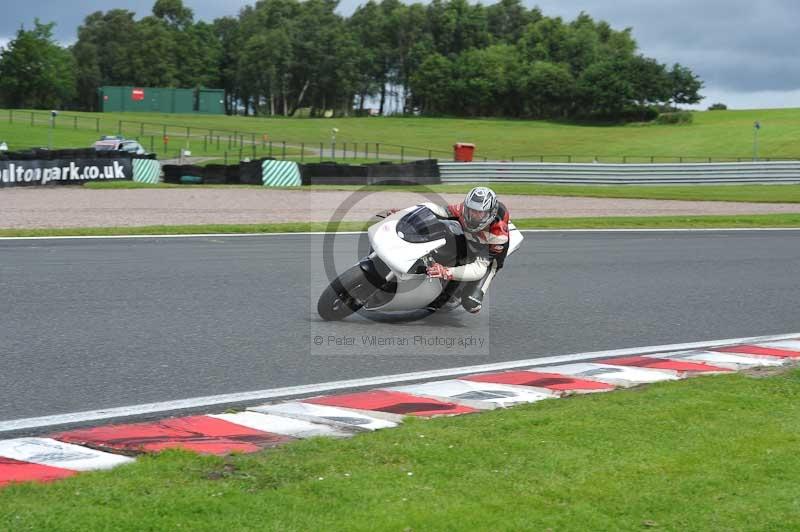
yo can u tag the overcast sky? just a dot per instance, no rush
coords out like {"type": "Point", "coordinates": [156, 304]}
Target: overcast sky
{"type": "Point", "coordinates": [745, 50]}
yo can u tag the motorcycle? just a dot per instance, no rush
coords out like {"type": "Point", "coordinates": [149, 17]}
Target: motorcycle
{"type": "Point", "coordinates": [393, 277]}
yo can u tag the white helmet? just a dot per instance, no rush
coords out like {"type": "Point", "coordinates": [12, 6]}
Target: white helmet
{"type": "Point", "coordinates": [480, 209]}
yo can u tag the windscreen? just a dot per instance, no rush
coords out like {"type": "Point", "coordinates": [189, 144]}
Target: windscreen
{"type": "Point", "coordinates": [421, 225]}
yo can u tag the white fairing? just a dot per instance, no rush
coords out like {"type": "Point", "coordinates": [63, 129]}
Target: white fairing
{"type": "Point", "coordinates": [395, 252]}
{"type": "Point", "coordinates": [413, 291]}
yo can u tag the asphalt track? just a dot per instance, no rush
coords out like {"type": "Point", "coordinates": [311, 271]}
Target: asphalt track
{"type": "Point", "coordinates": [101, 323]}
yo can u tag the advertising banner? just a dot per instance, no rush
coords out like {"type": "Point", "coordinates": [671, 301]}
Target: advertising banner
{"type": "Point", "coordinates": [63, 172]}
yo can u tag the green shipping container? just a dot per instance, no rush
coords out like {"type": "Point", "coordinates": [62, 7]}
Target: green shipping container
{"type": "Point", "coordinates": [211, 101]}
{"type": "Point", "coordinates": [182, 101]}
{"type": "Point", "coordinates": [111, 99]}
{"type": "Point", "coordinates": [161, 100]}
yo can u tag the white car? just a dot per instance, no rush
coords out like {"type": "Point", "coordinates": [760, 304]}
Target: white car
{"type": "Point", "coordinates": [119, 144]}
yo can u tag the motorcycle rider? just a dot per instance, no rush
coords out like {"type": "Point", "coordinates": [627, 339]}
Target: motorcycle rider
{"type": "Point", "coordinates": [485, 223]}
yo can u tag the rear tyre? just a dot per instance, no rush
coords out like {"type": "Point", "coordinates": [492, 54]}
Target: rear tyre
{"type": "Point", "coordinates": [345, 295]}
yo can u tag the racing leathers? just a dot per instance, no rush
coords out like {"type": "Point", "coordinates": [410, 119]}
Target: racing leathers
{"type": "Point", "coordinates": [487, 249]}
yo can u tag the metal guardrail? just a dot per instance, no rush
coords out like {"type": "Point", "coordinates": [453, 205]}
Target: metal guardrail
{"type": "Point", "coordinates": [621, 174]}
{"type": "Point", "coordinates": [645, 159]}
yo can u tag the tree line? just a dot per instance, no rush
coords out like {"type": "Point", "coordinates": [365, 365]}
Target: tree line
{"type": "Point", "coordinates": [448, 57]}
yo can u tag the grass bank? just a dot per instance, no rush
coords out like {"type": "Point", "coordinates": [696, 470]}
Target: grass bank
{"type": "Point", "coordinates": [735, 193]}
{"type": "Point", "coordinates": [712, 453]}
{"type": "Point", "coordinates": [718, 134]}
{"type": "Point", "coordinates": [632, 222]}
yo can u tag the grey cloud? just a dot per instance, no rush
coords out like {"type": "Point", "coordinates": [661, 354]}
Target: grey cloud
{"type": "Point", "coordinates": [732, 44]}
{"type": "Point", "coordinates": [69, 15]}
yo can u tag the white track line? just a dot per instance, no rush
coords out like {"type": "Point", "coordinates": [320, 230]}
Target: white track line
{"type": "Point", "coordinates": [199, 235]}
{"type": "Point", "coordinates": [320, 233]}
{"type": "Point", "coordinates": [314, 389]}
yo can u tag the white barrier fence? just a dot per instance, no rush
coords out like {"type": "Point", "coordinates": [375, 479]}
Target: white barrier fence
{"type": "Point", "coordinates": [622, 174]}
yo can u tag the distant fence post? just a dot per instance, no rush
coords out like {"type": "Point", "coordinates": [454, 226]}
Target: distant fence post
{"type": "Point", "coordinates": [283, 155]}
{"type": "Point", "coordinates": [321, 151]}
{"type": "Point", "coordinates": [377, 151]}
{"type": "Point", "coordinates": [302, 151]}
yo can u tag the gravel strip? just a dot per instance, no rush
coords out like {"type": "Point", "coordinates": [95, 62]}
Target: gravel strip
{"type": "Point", "coordinates": [77, 207]}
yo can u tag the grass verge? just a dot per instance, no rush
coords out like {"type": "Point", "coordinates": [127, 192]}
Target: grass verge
{"type": "Point", "coordinates": [736, 193]}
{"type": "Point", "coordinates": [643, 222]}
{"type": "Point", "coordinates": [712, 453]}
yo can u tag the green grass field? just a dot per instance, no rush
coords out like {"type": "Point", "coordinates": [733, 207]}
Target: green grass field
{"type": "Point", "coordinates": [711, 453]}
{"type": "Point", "coordinates": [717, 134]}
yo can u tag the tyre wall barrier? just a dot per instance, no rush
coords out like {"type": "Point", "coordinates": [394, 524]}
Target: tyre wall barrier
{"type": "Point", "coordinates": [146, 170]}
{"type": "Point", "coordinates": [244, 173]}
{"type": "Point", "coordinates": [281, 174]}
{"type": "Point", "coordinates": [423, 172]}
{"type": "Point", "coordinates": [274, 173]}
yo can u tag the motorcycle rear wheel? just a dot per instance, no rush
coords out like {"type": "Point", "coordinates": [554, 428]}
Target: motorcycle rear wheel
{"type": "Point", "coordinates": [345, 295]}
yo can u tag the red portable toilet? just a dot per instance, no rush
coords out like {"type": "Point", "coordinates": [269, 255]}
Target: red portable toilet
{"type": "Point", "coordinates": [462, 152]}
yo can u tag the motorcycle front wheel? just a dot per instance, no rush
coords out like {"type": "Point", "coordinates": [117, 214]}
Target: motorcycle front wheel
{"type": "Point", "coordinates": [345, 295]}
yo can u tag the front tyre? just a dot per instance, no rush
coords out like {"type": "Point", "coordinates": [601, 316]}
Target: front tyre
{"type": "Point", "coordinates": [345, 295]}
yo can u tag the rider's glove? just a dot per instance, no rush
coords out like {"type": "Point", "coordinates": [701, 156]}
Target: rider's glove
{"type": "Point", "coordinates": [387, 213]}
{"type": "Point", "coordinates": [437, 271]}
